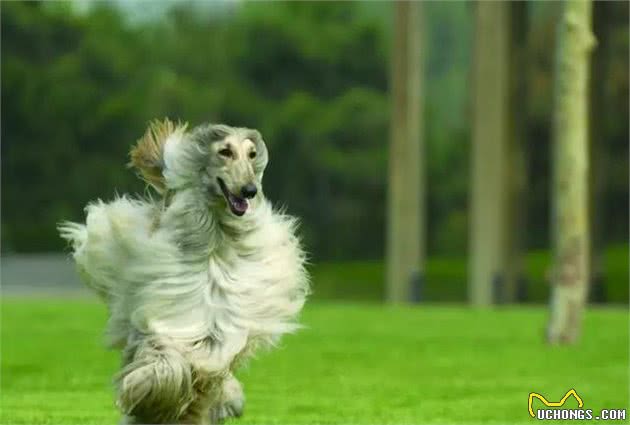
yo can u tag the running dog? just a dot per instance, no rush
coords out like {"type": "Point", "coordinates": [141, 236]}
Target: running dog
{"type": "Point", "coordinates": [197, 278]}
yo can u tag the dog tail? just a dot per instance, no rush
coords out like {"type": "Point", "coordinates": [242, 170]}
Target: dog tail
{"type": "Point", "coordinates": [157, 386]}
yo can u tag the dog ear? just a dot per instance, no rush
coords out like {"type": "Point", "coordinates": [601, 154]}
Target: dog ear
{"type": "Point", "coordinates": [262, 154]}
{"type": "Point", "coordinates": [147, 156]}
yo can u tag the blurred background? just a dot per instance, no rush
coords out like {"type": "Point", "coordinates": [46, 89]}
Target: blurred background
{"type": "Point", "coordinates": [81, 80]}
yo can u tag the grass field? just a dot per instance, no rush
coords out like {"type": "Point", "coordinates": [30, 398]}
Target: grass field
{"type": "Point", "coordinates": [353, 364]}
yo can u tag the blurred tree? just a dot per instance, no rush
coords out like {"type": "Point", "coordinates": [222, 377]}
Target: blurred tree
{"type": "Point", "coordinates": [570, 222]}
{"type": "Point", "coordinates": [323, 111]}
{"type": "Point", "coordinates": [79, 88]}
{"type": "Point", "coordinates": [491, 186]}
{"type": "Point", "coordinates": [405, 224]}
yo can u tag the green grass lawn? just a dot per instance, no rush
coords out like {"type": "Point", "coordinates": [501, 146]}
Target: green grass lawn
{"type": "Point", "coordinates": [353, 364]}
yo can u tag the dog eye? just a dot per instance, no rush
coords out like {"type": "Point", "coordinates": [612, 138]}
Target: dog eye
{"type": "Point", "coordinates": [226, 153]}
{"type": "Point", "coordinates": [252, 154]}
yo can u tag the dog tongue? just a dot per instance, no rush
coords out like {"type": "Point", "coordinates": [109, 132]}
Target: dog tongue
{"type": "Point", "coordinates": [238, 204]}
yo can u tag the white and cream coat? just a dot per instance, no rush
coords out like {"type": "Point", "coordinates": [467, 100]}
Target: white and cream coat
{"type": "Point", "coordinates": [192, 289]}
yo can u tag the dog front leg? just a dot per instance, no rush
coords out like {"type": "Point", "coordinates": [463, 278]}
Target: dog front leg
{"type": "Point", "coordinates": [231, 402]}
{"type": "Point", "coordinates": [222, 396]}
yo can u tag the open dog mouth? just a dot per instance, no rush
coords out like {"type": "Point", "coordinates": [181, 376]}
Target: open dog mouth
{"type": "Point", "coordinates": [237, 205]}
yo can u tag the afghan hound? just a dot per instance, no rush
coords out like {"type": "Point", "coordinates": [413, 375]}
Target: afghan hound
{"type": "Point", "coordinates": [197, 278]}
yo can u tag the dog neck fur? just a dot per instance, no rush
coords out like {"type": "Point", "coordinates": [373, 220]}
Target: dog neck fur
{"type": "Point", "coordinates": [232, 274]}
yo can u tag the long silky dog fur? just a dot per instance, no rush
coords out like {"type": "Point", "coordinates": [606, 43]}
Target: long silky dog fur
{"type": "Point", "coordinates": [192, 289]}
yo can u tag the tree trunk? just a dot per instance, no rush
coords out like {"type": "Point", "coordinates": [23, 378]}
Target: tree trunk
{"type": "Point", "coordinates": [570, 221]}
{"type": "Point", "coordinates": [405, 227]}
{"type": "Point", "coordinates": [488, 223]}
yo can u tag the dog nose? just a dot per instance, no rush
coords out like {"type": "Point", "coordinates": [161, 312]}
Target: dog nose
{"type": "Point", "coordinates": [249, 190]}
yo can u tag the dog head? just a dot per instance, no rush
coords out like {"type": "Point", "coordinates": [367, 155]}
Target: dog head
{"type": "Point", "coordinates": [234, 164]}
{"type": "Point", "coordinates": [225, 163]}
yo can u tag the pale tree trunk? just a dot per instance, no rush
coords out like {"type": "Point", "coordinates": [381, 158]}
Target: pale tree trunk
{"type": "Point", "coordinates": [570, 221]}
{"type": "Point", "coordinates": [405, 226]}
{"type": "Point", "coordinates": [488, 223]}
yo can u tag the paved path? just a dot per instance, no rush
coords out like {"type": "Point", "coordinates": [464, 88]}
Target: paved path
{"type": "Point", "coordinates": [40, 274]}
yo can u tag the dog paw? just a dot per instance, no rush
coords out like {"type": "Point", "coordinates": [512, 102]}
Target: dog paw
{"type": "Point", "coordinates": [232, 403]}
{"type": "Point", "coordinates": [230, 409]}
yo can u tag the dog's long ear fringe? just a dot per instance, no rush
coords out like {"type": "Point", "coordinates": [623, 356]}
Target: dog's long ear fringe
{"type": "Point", "coordinates": [147, 156]}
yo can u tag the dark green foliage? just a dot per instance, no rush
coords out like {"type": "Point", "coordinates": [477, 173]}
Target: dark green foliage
{"type": "Point", "coordinates": [446, 278]}
{"type": "Point", "coordinates": [79, 89]}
